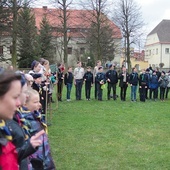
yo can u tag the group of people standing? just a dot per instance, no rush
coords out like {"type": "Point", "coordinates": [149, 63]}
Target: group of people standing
{"type": "Point", "coordinates": [147, 83]}
{"type": "Point", "coordinates": [24, 143]}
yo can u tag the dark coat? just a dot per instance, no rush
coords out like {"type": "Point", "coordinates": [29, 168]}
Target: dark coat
{"type": "Point", "coordinates": [153, 82]}
{"type": "Point", "coordinates": [133, 79]}
{"type": "Point", "coordinates": [89, 77]}
{"type": "Point", "coordinates": [143, 79]}
{"type": "Point", "coordinates": [121, 79]}
{"type": "Point", "coordinates": [112, 75]}
{"type": "Point", "coordinates": [100, 76]}
{"type": "Point", "coordinates": [68, 78]}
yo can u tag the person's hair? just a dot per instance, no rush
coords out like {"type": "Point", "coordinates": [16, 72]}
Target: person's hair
{"type": "Point", "coordinates": [30, 93]}
{"type": "Point", "coordinates": [133, 69]}
{"type": "Point", "coordinates": [6, 78]}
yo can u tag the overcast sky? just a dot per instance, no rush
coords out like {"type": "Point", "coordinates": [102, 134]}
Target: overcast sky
{"type": "Point", "coordinates": [153, 11]}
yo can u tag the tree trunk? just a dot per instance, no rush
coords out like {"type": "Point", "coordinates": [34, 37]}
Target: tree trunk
{"type": "Point", "coordinates": [14, 35]}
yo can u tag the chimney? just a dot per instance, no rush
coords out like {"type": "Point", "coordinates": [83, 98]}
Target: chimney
{"type": "Point", "coordinates": [44, 7]}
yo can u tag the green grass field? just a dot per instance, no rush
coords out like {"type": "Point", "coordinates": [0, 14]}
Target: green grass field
{"type": "Point", "coordinates": [110, 135]}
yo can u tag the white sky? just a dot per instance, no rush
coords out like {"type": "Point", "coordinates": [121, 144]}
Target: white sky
{"type": "Point", "coordinates": [153, 11]}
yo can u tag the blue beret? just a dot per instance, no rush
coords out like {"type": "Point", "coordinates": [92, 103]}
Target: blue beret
{"type": "Point", "coordinates": [36, 75]}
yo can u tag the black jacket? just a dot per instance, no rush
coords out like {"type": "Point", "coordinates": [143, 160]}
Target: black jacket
{"type": "Point", "coordinates": [100, 76]}
{"type": "Point", "coordinates": [24, 148]}
{"type": "Point", "coordinates": [68, 78]}
{"type": "Point", "coordinates": [112, 75]}
{"type": "Point", "coordinates": [89, 77]}
{"type": "Point", "coordinates": [133, 79]}
{"type": "Point", "coordinates": [143, 79]}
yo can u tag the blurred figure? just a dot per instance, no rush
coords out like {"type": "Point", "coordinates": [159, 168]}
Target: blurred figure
{"type": "Point", "coordinates": [153, 86]}
{"type": "Point", "coordinates": [88, 78]}
{"type": "Point", "coordinates": [10, 89]}
{"type": "Point", "coordinates": [133, 81]}
{"type": "Point", "coordinates": [96, 70]}
{"type": "Point", "coordinates": [29, 79]}
{"type": "Point", "coordinates": [78, 79]}
{"type": "Point", "coordinates": [68, 81]}
{"type": "Point", "coordinates": [163, 81]}
{"type": "Point", "coordinates": [112, 79]}
{"type": "Point", "coordinates": [123, 83]}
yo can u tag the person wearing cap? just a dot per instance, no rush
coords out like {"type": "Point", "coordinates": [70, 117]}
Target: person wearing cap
{"type": "Point", "coordinates": [112, 79]}
{"type": "Point", "coordinates": [88, 78]}
{"type": "Point", "coordinates": [133, 81]}
{"type": "Point", "coordinates": [168, 85]}
{"type": "Point", "coordinates": [123, 83]}
{"type": "Point", "coordinates": [96, 69]}
{"type": "Point", "coordinates": [78, 79]}
{"type": "Point", "coordinates": [153, 86]}
{"type": "Point", "coordinates": [37, 85]}
{"type": "Point", "coordinates": [101, 80]}
{"type": "Point", "coordinates": [163, 82]}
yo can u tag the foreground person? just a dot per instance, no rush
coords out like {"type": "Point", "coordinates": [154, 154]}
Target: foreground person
{"type": "Point", "coordinates": [10, 88]}
{"type": "Point", "coordinates": [19, 132]}
{"type": "Point", "coordinates": [35, 123]}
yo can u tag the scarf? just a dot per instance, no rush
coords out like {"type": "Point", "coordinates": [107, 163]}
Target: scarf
{"type": "Point", "coordinates": [5, 131]}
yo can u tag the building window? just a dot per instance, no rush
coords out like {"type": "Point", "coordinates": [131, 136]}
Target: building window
{"type": "Point", "coordinates": [153, 52]}
{"type": "Point", "coordinates": [157, 51]}
{"type": "Point", "coordinates": [1, 50]}
{"type": "Point", "coordinates": [69, 50]}
{"type": "Point", "coordinates": [149, 52]}
{"type": "Point", "coordinates": [166, 50]}
{"type": "Point", "coordinates": [82, 50]}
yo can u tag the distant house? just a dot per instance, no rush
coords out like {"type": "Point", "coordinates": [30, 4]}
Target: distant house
{"type": "Point", "coordinates": [77, 31]}
{"type": "Point", "coordinates": [157, 47]}
{"type": "Point", "coordinates": [78, 25]}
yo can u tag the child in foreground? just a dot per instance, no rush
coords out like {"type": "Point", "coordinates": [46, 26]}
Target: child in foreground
{"type": "Point", "coordinates": [35, 124]}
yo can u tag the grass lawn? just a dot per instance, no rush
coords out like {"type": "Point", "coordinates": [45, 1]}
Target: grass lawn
{"type": "Point", "coordinates": [110, 135]}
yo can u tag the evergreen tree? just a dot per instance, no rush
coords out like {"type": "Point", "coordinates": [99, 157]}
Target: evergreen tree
{"type": "Point", "coordinates": [45, 37]}
{"type": "Point", "coordinates": [27, 38]}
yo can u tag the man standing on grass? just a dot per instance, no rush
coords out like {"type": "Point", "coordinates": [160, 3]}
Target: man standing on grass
{"type": "Point", "coordinates": [133, 81]}
{"type": "Point", "coordinates": [78, 79]}
{"type": "Point", "coordinates": [112, 79]}
{"type": "Point", "coordinates": [96, 70]}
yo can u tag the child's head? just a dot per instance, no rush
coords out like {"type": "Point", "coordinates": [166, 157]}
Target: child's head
{"type": "Point", "coordinates": [33, 100]}
{"type": "Point", "coordinates": [100, 69]}
{"type": "Point", "coordinates": [69, 69]}
{"type": "Point", "coordinates": [37, 78]}
{"type": "Point", "coordinates": [89, 68]}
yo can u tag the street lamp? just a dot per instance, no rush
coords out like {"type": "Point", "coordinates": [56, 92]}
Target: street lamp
{"type": "Point", "coordinates": [88, 59]}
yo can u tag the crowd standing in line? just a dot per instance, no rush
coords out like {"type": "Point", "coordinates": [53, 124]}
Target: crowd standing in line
{"type": "Point", "coordinates": [24, 99]}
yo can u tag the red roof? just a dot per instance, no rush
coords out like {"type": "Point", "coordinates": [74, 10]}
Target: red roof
{"type": "Point", "coordinates": [76, 19]}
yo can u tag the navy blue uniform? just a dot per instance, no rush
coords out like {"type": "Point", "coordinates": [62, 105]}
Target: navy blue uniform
{"type": "Point", "coordinates": [88, 77]}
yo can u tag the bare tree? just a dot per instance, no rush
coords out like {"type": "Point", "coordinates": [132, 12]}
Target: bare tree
{"type": "Point", "coordinates": [128, 17]}
{"type": "Point", "coordinates": [101, 30]}
{"type": "Point", "coordinates": [63, 14]}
